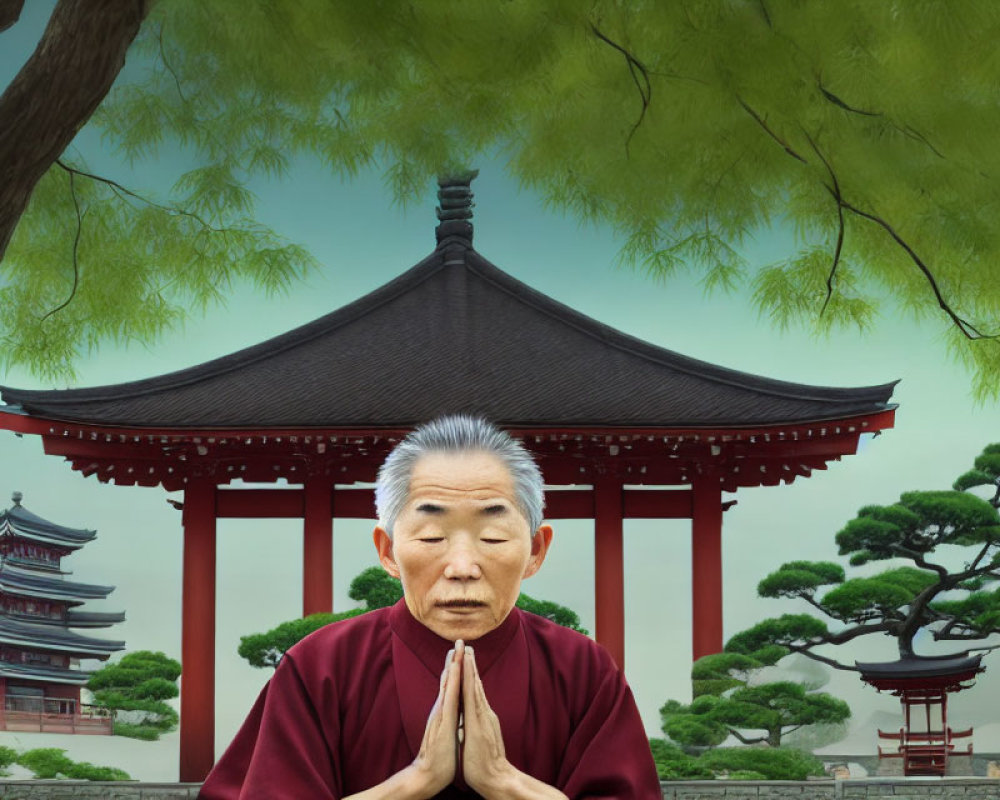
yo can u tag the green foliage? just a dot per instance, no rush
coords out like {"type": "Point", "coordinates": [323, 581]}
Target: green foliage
{"type": "Point", "coordinates": [800, 577]}
{"type": "Point", "coordinates": [551, 611]}
{"type": "Point", "coordinates": [979, 612]}
{"type": "Point", "coordinates": [693, 725]}
{"type": "Point", "coordinates": [140, 683]}
{"type": "Point", "coordinates": [52, 762]}
{"type": "Point", "coordinates": [888, 102]}
{"type": "Point", "coordinates": [714, 674]}
{"type": "Point", "coordinates": [376, 588]}
{"type": "Point", "coordinates": [8, 756]}
{"type": "Point", "coordinates": [147, 733]}
{"type": "Point", "coordinates": [266, 649]}
{"type": "Point", "coordinates": [878, 596]}
{"type": "Point", "coordinates": [918, 523]}
{"type": "Point", "coordinates": [673, 764]}
{"type": "Point", "coordinates": [788, 628]}
{"type": "Point", "coordinates": [773, 763]}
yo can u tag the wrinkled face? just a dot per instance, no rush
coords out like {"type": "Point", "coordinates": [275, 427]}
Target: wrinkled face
{"type": "Point", "coordinates": [460, 545]}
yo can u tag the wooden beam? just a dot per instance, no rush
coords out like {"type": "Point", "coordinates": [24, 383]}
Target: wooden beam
{"type": "Point", "coordinates": [609, 568]}
{"type": "Point", "coordinates": [360, 503]}
{"type": "Point", "coordinates": [706, 567]}
{"type": "Point", "coordinates": [197, 735]}
{"type": "Point", "coordinates": [317, 546]}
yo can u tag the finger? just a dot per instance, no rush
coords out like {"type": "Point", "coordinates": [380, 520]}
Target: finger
{"type": "Point", "coordinates": [468, 684]}
{"type": "Point", "coordinates": [450, 689]}
{"type": "Point", "coordinates": [479, 691]}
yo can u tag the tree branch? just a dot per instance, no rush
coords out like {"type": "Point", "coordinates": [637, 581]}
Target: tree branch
{"type": "Point", "coordinates": [838, 102]}
{"type": "Point", "coordinates": [10, 12]}
{"type": "Point", "coordinates": [808, 653]}
{"type": "Point", "coordinates": [635, 68]}
{"type": "Point", "coordinates": [746, 740]}
{"type": "Point", "coordinates": [120, 190]}
{"type": "Point", "coordinates": [763, 11]}
{"type": "Point", "coordinates": [967, 328]}
{"type": "Point", "coordinates": [982, 553]}
{"type": "Point", "coordinates": [760, 121]}
{"type": "Point", "coordinates": [835, 191]}
{"type": "Point", "coordinates": [76, 247]}
{"type": "Point", "coordinates": [166, 63]}
{"type": "Point", "coordinates": [59, 87]}
{"type": "Point", "coordinates": [918, 558]}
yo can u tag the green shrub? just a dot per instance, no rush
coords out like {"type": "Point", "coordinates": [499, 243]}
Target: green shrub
{"type": "Point", "coordinates": [771, 763]}
{"type": "Point", "coordinates": [52, 762]}
{"type": "Point", "coordinates": [45, 762]}
{"type": "Point", "coordinates": [85, 771]}
{"type": "Point", "coordinates": [147, 733]}
{"type": "Point", "coordinates": [8, 756]}
{"type": "Point", "coordinates": [673, 764]}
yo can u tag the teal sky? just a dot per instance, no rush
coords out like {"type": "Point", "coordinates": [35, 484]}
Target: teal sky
{"type": "Point", "coordinates": [361, 241]}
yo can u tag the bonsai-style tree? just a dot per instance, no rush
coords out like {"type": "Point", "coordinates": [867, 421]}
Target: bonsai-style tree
{"type": "Point", "coordinates": [375, 588]}
{"type": "Point", "coordinates": [725, 704]}
{"type": "Point", "coordinates": [901, 600]}
{"type": "Point", "coordinates": [140, 683]}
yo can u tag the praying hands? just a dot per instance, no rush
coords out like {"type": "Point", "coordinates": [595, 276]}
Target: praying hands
{"type": "Point", "coordinates": [462, 733]}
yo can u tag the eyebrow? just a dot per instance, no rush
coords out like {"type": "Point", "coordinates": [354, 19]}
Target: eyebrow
{"type": "Point", "coordinates": [493, 509]}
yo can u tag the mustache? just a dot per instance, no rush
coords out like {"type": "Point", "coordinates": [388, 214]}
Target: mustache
{"type": "Point", "coordinates": [460, 603]}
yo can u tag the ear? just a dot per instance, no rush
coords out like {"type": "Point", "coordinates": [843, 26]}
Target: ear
{"type": "Point", "coordinates": [539, 547]}
{"type": "Point", "coordinates": [383, 544]}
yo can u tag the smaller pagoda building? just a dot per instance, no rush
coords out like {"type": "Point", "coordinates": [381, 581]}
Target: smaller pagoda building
{"type": "Point", "coordinates": [40, 675]}
{"type": "Point", "coordinates": [925, 742]}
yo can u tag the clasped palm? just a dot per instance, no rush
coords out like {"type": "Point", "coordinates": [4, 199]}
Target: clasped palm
{"type": "Point", "coordinates": [479, 747]}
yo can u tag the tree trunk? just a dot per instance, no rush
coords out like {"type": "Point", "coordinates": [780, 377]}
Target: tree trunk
{"type": "Point", "coordinates": [10, 12]}
{"type": "Point", "coordinates": [80, 55]}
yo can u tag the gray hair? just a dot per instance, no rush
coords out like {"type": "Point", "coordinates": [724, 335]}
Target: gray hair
{"type": "Point", "coordinates": [458, 433]}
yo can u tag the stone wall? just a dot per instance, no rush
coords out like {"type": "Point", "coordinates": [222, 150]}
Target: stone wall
{"type": "Point", "coordinates": [906, 789]}
{"type": "Point", "coordinates": [96, 790]}
{"type": "Point", "coordinates": [910, 789]}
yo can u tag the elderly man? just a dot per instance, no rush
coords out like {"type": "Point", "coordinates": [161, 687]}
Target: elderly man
{"type": "Point", "coordinates": [452, 692]}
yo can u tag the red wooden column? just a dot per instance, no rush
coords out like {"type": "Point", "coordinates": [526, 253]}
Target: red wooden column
{"type": "Point", "coordinates": [197, 753]}
{"type": "Point", "coordinates": [706, 566]}
{"type": "Point", "coordinates": [317, 546]}
{"type": "Point", "coordinates": [609, 568]}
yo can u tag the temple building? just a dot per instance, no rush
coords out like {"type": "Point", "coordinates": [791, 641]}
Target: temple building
{"type": "Point", "coordinates": [40, 675]}
{"type": "Point", "coordinates": [621, 428]}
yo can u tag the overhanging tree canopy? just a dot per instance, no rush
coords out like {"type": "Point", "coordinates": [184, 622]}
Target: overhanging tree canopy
{"type": "Point", "coordinates": [868, 126]}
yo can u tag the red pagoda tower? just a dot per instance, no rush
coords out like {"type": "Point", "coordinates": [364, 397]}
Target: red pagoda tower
{"type": "Point", "coordinates": [926, 742]}
{"type": "Point", "coordinates": [40, 678]}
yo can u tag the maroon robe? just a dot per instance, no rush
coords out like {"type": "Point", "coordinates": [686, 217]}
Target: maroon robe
{"type": "Point", "coordinates": [347, 706]}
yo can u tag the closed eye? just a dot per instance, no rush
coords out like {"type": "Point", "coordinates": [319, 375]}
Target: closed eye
{"type": "Point", "coordinates": [493, 541]}
{"type": "Point", "coordinates": [431, 539]}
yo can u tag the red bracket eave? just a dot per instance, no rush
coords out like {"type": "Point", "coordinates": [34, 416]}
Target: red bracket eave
{"type": "Point", "coordinates": [25, 423]}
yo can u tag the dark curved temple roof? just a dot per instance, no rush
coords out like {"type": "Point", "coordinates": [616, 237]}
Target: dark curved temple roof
{"type": "Point", "coordinates": [18, 521]}
{"type": "Point", "coordinates": [45, 672]}
{"type": "Point", "coordinates": [453, 333]}
{"type": "Point", "coordinates": [46, 637]}
{"type": "Point", "coordinates": [25, 583]}
{"type": "Point", "coordinates": [921, 667]}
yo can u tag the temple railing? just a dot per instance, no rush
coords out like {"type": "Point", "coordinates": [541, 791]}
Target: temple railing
{"type": "Point", "coordinates": [54, 715]}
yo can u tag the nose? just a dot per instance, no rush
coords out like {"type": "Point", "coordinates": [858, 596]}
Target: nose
{"type": "Point", "coordinates": [463, 562]}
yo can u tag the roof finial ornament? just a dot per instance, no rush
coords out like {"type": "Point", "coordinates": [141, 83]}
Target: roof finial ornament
{"type": "Point", "coordinates": [17, 497]}
{"type": "Point", "coordinates": [455, 206]}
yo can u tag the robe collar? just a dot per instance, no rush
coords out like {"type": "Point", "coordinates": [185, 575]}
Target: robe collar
{"type": "Point", "coordinates": [431, 649]}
